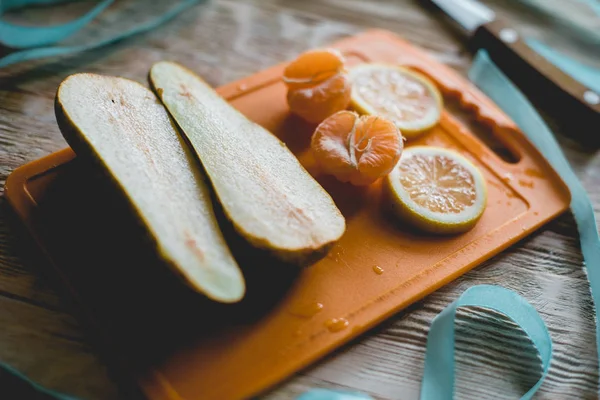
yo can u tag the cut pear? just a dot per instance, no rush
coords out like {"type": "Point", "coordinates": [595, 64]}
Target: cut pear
{"type": "Point", "coordinates": [272, 201]}
{"type": "Point", "coordinates": [126, 129]}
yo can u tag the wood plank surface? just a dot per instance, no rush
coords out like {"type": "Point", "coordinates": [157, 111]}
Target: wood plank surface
{"type": "Point", "coordinates": [226, 40]}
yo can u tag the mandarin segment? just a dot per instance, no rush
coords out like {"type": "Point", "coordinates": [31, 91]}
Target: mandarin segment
{"type": "Point", "coordinates": [313, 67]}
{"type": "Point", "coordinates": [377, 146]}
{"type": "Point", "coordinates": [357, 149]}
{"type": "Point", "coordinates": [316, 103]}
{"type": "Point", "coordinates": [318, 85]}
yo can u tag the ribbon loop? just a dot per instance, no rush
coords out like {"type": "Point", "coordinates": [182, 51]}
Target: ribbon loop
{"type": "Point", "coordinates": [36, 41]}
{"type": "Point", "coordinates": [438, 378]}
{"type": "Point", "coordinates": [22, 37]}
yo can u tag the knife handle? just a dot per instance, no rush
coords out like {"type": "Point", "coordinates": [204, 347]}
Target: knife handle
{"type": "Point", "coordinates": [564, 98]}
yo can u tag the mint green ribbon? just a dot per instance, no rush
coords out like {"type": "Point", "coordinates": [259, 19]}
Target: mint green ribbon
{"type": "Point", "coordinates": [556, 12]}
{"type": "Point", "coordinates": [23, 37]}
{"type": "Point", "coordinates": [18, 386]}
{"type": "Point", "coordinates": [36, 41]}
{"type": "Point", "coordinates": [438, 378]}
{"type": "Point", "coordinates": [585, 74]}
{"type": "Point", "coordinates": [505, 94]}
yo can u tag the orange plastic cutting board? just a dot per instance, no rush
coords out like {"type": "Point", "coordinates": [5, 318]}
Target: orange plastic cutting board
{"type": "Point", "coordinates": [182, 347]}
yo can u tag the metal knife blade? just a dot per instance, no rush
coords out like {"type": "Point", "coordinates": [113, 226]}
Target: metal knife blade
{"type": "Point", "coordinates": [469, 14]}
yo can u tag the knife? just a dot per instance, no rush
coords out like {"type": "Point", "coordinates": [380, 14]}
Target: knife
{"type": "Point", "coordinates": [562, 96]}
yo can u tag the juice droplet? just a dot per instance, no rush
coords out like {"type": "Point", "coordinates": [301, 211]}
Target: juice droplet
{"type": "Point", "coordinates": [307, 310]}
{"type": "Point", "coordinates": [378, 270]}
{"type": "Point", "coordinates": [536, 213]}
{"type": "Point", "coordinates": [525, 183]}
{"type": "Point", "coordinates": [534, 173]}
{"type": "Point", "coordinates": [337, 324]}
{"type": "Point", "coordinates": [298, 333]}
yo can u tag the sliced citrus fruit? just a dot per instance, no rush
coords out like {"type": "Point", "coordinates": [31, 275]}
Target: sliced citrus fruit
{"type": "Point", "coordinates": [318, 85]}
{"type": "Point", "coordinates": [406, 97]}
{"type": "Point", "coordinates": [437, 190]}
{"type": "Point", "coordinates": [357, 149]}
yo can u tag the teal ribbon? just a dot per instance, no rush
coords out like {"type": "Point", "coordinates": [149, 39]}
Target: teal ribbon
{"type": "Point", "coordinates": [36, 41]}
{"type": "Point", "coordinates": [585, 74]}
{"type": "Point", "coordinates": [505, 94]}
{"type": "Point", "coordinates": [18, 386]}
{"type": "Point", "coordinates": [556, 12]}
{"type": "Point", "coordinates": [438, 378]}
{"type": "Point", "coordinates": [23, 37]}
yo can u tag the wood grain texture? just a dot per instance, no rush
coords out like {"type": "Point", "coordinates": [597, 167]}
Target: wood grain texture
{"type": "Point", "coordinates": [226, 40]}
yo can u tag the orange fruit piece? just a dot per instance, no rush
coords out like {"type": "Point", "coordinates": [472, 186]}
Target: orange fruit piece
{"type": "Point", "coordinates": [357, 149]}
{"type": "Point", "coordinates": [437, 190]}
{"type": "Point", "coordinates": [318, 85]}
{"type": "Point", "coordinates": [316, 103]}
{"type": "Point", "coordinates": [313, 67]}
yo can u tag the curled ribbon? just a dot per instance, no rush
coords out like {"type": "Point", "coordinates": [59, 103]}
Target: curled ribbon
{"type": "Point", "coordinates": [37, 42]}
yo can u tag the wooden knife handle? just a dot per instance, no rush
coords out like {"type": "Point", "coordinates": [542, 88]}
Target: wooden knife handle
{"type": "Point", "coordinates": [564, 98]}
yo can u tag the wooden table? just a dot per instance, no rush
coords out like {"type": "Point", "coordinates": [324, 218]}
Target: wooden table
{"type": "Point", "coordinates": [226, 40]}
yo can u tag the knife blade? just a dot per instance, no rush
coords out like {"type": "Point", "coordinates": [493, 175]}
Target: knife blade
{"type": "Point", "coordinates": [561, 95]}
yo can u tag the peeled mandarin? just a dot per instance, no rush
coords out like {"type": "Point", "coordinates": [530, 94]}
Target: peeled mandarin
{"type": "Point", "coordinates": [318, 85]}
{"type": "Point", "coordinates": [313, 67]}
{"type": "Point", "coordinates": [316, 103]}
{"type": "Point", "coordinates": [357, 149]}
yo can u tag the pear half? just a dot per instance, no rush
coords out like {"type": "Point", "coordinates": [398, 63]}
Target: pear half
{"type": "Point", "coordinates": [124, 127]}
{"type": "Point", "coordinates": [272, 201]}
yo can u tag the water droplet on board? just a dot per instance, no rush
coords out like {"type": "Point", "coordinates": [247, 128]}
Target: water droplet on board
{"type": "Point", "coordinates": [307, 310]}
{"type": "Point", "coordinates": [337, 324]}
{"type": "Point", "coordinates": [242, 86]}
{"type": "Point", "coordinates": [536, 213]}
{"type": "Point", "coordinates": [336, 253]}
{"type": "Point", "coordinates": [508, 177]}
{"type": "Point", "coordinates": [378, 270]}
